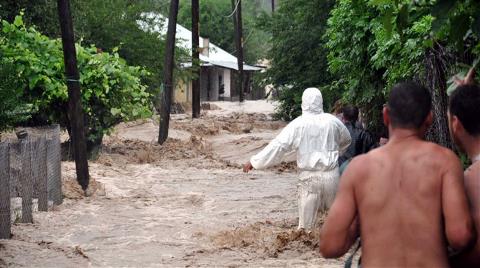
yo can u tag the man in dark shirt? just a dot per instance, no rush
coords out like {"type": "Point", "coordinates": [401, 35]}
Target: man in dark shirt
{"type": "Point", "coordinates": [362, 141]}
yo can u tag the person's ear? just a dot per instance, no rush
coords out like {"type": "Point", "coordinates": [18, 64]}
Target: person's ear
{"type": "Point", "coordinates": [386, 116]}
{"type": "Point", "coordinates": [457, 126]}
{"type": "Point", "coordinates": [429, 120]}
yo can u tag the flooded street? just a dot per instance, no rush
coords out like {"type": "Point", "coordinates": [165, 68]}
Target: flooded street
{"type": "Point", "coordinates": [183, 204]}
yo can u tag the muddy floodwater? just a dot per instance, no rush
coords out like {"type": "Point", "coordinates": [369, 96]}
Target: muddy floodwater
{"type": "Point", "coordinates": [182, 204]}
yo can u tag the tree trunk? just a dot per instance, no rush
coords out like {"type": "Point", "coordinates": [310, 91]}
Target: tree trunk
{"type": "Point", "coordinates": [237, 22]}
{"type": "Point", "coordinates": [166, 95]}
{"type": "Point", "coordinates": [435, 80]}
{"type": "Point", "coordinates": [195, 60]}
{"type": "Point", "coordinates": [75, 109]}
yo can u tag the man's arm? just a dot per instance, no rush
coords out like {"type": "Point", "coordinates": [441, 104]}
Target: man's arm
{"type": "Point", "coordinates": [458, 222]}
{"type": "Point", "coordinates": [340, 229]}
{"type": "Point", "coordinates": [470, 258]}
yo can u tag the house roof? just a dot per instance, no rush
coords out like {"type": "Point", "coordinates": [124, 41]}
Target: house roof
{"type": "Point", "coordinates": [216, 55]}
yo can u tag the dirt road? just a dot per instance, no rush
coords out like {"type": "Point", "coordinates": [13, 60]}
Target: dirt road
{"type": "Point", "coordinates": [183, 204]}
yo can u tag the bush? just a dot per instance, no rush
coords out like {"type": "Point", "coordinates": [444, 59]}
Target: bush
{"type": "Point", "coordinates": [12, 109]}
{"type": "Point", "coordinates": [112, 91]}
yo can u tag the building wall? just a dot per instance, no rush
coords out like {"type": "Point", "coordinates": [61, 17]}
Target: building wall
{"type": "Point", "coordinates": [227, 83]}
{"type": "Point", "coordinates": [183, 91]}
{"type": "Point", "coordinates": [211, 80]}
{"type": "Point", "coordinates": [213, 90]}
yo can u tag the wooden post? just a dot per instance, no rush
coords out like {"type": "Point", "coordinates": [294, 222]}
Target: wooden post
{"type": "Point", "coordinates": [166, 96]}
{"type": "Point", "coordinates": [237, 22]}
{"type": "Point", "coordinates": [75, 110]}
{"type": "Point", "coordinates": [195, 60]}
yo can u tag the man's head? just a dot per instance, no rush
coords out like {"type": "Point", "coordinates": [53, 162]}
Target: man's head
{"type": "Point", "coordinates": [463, 112]}
{"type": "Point", "coordinates": [409, 107]}
{"type": "Point", "coordinates": [312, 101]}
{"type": "Point", "coordinates": [350, 113]}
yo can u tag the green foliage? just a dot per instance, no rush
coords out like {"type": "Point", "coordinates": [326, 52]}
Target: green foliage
{"type": "Point", "coordinates": [111, 90]}
{"type": "Point", "coordinates": [298, 54]}
{"type": "Point", "coordinates": [13, 109]}
{"type": "Point", "coordinates": [109, 25]}
{"type": "Point", "coordinates": [41, 13]}
{"type": "Point", "coordinates": [112, 24]}
{"type": "Point", "coordinates": [373, 45]}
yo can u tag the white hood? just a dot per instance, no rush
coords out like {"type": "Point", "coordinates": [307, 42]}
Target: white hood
{"type": "Point", "coordinates": [312, 101]}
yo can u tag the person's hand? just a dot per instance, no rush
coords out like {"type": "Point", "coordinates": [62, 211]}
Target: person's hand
{"type": "Point", "coordinates": [247, 167]}
{"type": "Point", "coordinates": [468, 80]}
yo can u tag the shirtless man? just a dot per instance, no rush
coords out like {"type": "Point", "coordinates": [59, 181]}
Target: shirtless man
{"type": "Point", "coordinates": [463, 112]}
{"type": "Point", "coordinates": [406, 199]}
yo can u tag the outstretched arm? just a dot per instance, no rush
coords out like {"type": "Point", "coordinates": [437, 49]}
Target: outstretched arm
{"type": "Point", "coordinates": [340, 229]}
{"type": "Point", "coordinates": [273, 153]}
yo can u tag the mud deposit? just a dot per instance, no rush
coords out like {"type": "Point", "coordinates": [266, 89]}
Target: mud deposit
{"type": "Point", "coordinates": [185, 203]}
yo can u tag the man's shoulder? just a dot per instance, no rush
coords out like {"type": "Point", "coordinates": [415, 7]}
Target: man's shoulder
{"type": "Point", "coordinates": [438, 151]}
{"type": "Point", "coordinates": [472, 174]}
{"type": "Point", "coordinates": [361, 164]}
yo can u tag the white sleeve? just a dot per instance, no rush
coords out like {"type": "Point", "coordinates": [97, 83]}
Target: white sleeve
{"type": "Point", "coordinates": [273, 153]}
{"type": "Point", "coordinates": [345, 139]}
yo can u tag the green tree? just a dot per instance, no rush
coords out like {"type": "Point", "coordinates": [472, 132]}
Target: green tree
{"type": "Point", "coordinates": [298, 53]}
{"type": "Point", "coordinates": [375, 44]}
{"type": "Point", "coordinates": [13, 109]}
{"type": "Point", "coordinates": [112, 91]}
{"type": "Point", "coordinates": [112, 24]}
{"type": "Point", "coordinates": [216, 25]}
{"type": "Point", "coordinates": [109, 25]}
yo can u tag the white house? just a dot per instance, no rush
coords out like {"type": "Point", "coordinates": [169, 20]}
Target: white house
{"type": "Point", "coordinates": [218, 67]}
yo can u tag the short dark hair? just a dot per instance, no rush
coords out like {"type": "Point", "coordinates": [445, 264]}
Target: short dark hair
{"type": "Point", "coordinates": [350, 113]}
{"type": "Point", "coordinates": [465, 104]}
{"type": "Point", "coordinates": [409, 104]}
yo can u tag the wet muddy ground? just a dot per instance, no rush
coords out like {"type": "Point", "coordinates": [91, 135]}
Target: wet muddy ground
{"type": "Point", "coordinates": [182, 204]}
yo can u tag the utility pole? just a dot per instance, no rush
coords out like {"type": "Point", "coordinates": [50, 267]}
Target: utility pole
{"type": "Point", "coordinates": [273, 6]}
{"type": "Point", "coordinates": [75, 110]}
{"type": "Point", "coordinates": [237, 22]}
{"type": "Point", "coordinates": [166, 95]}
{"type": "Point", "coordinates": [195, 60]}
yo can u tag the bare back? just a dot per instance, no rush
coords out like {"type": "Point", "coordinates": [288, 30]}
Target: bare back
{"type": "Point", "coordinates": [399, 201]}
{"type": "Point", "coordinates": [408, 200]}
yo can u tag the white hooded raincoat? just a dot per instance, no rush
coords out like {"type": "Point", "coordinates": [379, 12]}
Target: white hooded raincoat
{"type": "Point", "coordinates": [319, 139]}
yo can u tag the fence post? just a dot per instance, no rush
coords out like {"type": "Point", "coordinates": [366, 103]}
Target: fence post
{"type": "Point", "coordinates": [54, 168]}
{"type": "Point", "coordinates": [39, 168]}
{"type": "Point", "coordinates": [26, 180]}
{"type": "Point", "coordinates": [5, 216]}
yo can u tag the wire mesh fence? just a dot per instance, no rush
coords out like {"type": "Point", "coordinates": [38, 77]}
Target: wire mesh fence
{"type": "Point", "coordinates": [30, 170]}
{"type": "Point", "coordinates": [4, 191]}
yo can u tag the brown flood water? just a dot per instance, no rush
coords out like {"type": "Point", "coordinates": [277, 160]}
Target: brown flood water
{"type": "Point", "coordinates": [183, 204]}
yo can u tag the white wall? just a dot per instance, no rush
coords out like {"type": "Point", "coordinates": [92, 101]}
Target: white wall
{"type": "Point", "coordinates": [226, 82]}
{"type": "Point", "coordinates": [214, 87]}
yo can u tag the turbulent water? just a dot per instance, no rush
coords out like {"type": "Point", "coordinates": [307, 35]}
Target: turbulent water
{"type": "Point", "coordinates": [183, 204]}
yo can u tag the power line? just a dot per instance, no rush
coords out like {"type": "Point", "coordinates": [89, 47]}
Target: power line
{"type": "Point", "coordinates": [234, 10]}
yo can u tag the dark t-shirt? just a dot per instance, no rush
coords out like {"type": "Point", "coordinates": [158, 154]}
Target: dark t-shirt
{"type": "Point", "coordinates": [362, 142]}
